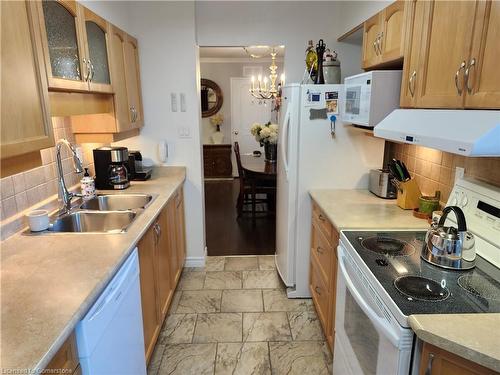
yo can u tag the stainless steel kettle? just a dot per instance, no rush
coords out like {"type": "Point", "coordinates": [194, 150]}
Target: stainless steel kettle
{"type": "Point", "coordinates": [450, 247]}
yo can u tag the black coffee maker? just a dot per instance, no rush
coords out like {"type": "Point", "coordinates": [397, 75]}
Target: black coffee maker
{"type": "Point", "coordinates": [111, 171]}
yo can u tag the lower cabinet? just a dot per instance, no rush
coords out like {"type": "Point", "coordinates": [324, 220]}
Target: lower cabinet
{"type": "Point", "coordinates": [161, 258]}
{"type": "Point", "coordinates": [65, 361]}
{"type": "Point", "coordinates": [323, 271]}
{"type": "Point", "coordinates": [437, 361]}
{"type": "Point", "coordinates": [217, 161]}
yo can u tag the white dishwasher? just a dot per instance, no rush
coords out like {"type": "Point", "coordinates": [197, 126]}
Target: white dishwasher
{"type": "Point", "coordinates": [110, 337]}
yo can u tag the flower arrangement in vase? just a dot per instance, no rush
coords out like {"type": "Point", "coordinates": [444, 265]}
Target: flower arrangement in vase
{"type": "Point", "coordinates": [267, 136]}
{"type": "Point", "coordinates": [217, 120]}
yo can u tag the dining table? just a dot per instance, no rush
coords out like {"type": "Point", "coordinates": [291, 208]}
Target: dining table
{"type": "Point", "coordinates": [258, 167]}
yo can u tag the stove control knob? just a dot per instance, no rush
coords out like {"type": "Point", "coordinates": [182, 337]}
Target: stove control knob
{"type": "Point", "coordinates": [464, 200]}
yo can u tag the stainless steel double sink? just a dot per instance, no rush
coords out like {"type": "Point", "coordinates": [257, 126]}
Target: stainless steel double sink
{"type": "Point", "coordinates": [106, 213]}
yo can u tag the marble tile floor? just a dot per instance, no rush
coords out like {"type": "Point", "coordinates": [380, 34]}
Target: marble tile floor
{"type": "Point", "coordinates": [233, 317]}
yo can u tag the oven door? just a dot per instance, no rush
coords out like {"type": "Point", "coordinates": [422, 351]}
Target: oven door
{"type": "Point", "coordinates": [357, 104]}
{"type": "Point", "coordinates": [368, 340]}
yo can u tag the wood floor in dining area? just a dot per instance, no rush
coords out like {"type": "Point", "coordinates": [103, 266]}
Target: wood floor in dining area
{"type": "Point", "coordinates": [226, 234]}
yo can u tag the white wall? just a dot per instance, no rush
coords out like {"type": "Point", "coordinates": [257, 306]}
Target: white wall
{"type": "Point", "coordinates": [168, 62]}
{"type": "Point", "coordinates": [221, 73]}
{"type": "Point", "coordinates": [356, 12]}
{"type": "Point", "coordinates": [232, 23]}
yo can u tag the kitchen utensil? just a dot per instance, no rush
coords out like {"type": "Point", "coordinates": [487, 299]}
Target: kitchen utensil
{"type": "Point", "coordinates": [320, 50]}
{"type": "Point", "coordinates": [408, 194]}
{"type": "Point", "coordinates": [380, 184]}
{"type": "Point", "coordinates": [405, 171]}
{"type": "Point", "coordinates": [394, 171]}
{"type": "Point", "coordinates": [38, 220]}
{"type": "Point", "coordinates": [447, 246]}
{"type": "Point", "coordinates": [427, 205]}
{"type": "Point", "coordinates": [401, 170]}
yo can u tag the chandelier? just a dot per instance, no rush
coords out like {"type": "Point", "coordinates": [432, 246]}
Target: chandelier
{"type": "Point", "coordinates": [260, 89]}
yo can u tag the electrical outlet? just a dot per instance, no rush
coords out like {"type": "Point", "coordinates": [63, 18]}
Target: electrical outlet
{"type": "Point", "coordinates": [184, 132]}
{"type": "Point", "coordinates": [459, 173]}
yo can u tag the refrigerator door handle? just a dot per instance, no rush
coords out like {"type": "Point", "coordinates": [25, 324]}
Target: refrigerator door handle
{"type": "Point", "coordinates": [286, 125]}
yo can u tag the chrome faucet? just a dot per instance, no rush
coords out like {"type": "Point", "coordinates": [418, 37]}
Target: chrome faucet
{"type": "Point", "coordinates": [67, 196]}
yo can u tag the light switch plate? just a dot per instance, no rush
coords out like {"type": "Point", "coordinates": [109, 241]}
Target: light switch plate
{"type": "Point", "coordinates": [173, 101]}
{"type": "Point", "coordinates": [183, 102]}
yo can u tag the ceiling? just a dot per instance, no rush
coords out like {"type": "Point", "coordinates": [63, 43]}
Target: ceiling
{"type": "Point", "coordinates": [239, 52]}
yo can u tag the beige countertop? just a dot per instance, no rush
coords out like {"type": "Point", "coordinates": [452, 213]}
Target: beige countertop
{"type": "Point", "coordinates": [360, 209]}
{"type": "Point", "coordinates": [50, 281]}
{"type": "Point", "coordinates": [475, 337]}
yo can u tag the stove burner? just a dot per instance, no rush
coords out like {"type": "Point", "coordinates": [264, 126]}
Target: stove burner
{"type": "Point", "coordinates": [421, 289]}
{"type": "Point", "coordinates": [479, 287]}
{"type": "Point", "coordinates": [388, 245]}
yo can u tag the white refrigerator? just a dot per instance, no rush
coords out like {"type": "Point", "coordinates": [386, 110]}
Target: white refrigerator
{"type": "Point", "coordinates": [314, 152]}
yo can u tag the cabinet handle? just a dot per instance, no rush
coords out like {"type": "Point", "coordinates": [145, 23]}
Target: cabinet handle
{"type": "Point", "coordinates": [411, 83]}
{"type": "Point", "coordinates": [428, 370]}
{"type": "Point", "coordinates": [379, 42]}
{"type": "Point", "coordinates": [321, 217]}
{"type": "Point", "coordinates": [87, 68]}
{"type": "Point", "coordinates": [459, 89]}
{"type": "Point", "coordinates": [319, 250]}
{"type": "Point", "coordinates": [91, 71]}
{"type": "Point", "coordinates": [375, 47]}
{"type": "Point", "coordinates": [317, 290]}
{"type": "Point", "coordinates": [136, 114]}
{"type": "Point", "coordinates": [472, 64]}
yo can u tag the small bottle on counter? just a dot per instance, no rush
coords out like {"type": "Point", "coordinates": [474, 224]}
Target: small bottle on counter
{"type": "Point", "coordinates": [87, 185]}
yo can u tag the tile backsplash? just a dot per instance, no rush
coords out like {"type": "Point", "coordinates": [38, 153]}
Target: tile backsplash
{"type": "Point", "coordinates": [30, 188]}
{"type": "Point", "coordinates": [435, 170]}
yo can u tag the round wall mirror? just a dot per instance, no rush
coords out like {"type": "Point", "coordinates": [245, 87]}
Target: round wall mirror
{"type": "Point", "coordinates": [211, 98]}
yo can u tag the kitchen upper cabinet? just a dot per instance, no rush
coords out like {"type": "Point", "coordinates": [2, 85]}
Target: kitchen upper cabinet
{"type": "Point", "coordinates": [436, 361]}
{"type": "Point", "coordinates": [384, 35]}
{"type": "Point", "coordinates": [26, 124]}
{"type": "Point", "coordinates": [482, 73]}
{"type": "Point", "coordinates": [97, 51]}
{"type": "Point", "coordinates": [63, 44]}
{"type": "Point", "coordinates": [451, 56]}
{"type": "Point", "coordinates": [125, 73]}
{"type": "Point", "coordinates": [371, 34]}
{"type": "Point", "coordinates": [132, 79]}
{"type": "Point", "coordinates": [75, 43]}
{"type": "Point", "coordinates": [148, 278]}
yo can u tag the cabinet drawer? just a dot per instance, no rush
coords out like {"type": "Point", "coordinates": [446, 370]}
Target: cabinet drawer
{"type": "Point", "coordinates": [322, 250]}
{"type": "Point", "coordinates": [320, 295]}
{"type": "Point", "coordinates": [322, 222]}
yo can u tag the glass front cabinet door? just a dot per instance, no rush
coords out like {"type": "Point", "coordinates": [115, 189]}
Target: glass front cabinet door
{"type": "Point", "coordinates": [97, 51]}
{"type": "Point", "coordinates": [75, 47]}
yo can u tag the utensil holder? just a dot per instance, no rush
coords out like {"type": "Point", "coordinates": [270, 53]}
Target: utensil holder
{"type": "Point", "coordinates": [408, 195]}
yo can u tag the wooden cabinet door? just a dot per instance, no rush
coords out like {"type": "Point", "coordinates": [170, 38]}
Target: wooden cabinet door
{"type": "Point", "coordinates": [150, 314]}
{"type": "Point", "coordinates": [96, 32]}
{"type": "Point", "coordinates": [436, 361]}
{"type": "Point", "coordinates": [483, 83]}
{"type": "Point", "coordinates": [174, 261]}
{"type": "Point", "coordinates": [392, 39]}
{"type": "Point", "coordinates": [411, 77]}
{"type": "Point", "coordinates": [26, 122]}
{"type": "Point", "coordinates": [446, 40]}
{"type": "Point", "coordinates": [164, 249]}
{"type": "Point", "coordinates": [123, 113]}
{"type": "Point", "coordinates": [332, 303]}
{"type": "Point", "coordinates": [180, 234]}
{"type": "Point", "coordinates": [63, 44]}
{"type": "Point", "coordinates": [371, 33]}
{"type": "Point", "coordinates": [133, 82]}
{"type": "Point", "coordinates": [66, 359]}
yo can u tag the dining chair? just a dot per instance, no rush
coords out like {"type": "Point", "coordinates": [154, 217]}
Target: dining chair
{"type": "Point", "coordinates": [250, 186]}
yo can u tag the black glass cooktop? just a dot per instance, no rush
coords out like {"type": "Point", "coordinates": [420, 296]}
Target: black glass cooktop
{"type": "Point", "coordinates": [418, 287]}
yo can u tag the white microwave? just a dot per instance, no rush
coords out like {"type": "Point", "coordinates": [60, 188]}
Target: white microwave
{"type": "Point", "coordinates": [371, 96]}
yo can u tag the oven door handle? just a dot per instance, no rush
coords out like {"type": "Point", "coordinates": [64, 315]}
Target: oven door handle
{"type": "Point", "coordinates": [380, 324]}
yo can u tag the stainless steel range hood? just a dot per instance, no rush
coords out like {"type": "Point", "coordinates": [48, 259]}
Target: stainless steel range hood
{"type": "Point", "coordinates": [463, 132]}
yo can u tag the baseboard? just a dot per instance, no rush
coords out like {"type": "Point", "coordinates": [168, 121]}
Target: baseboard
{"type": "Point", "coordinates": [195, 262]}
